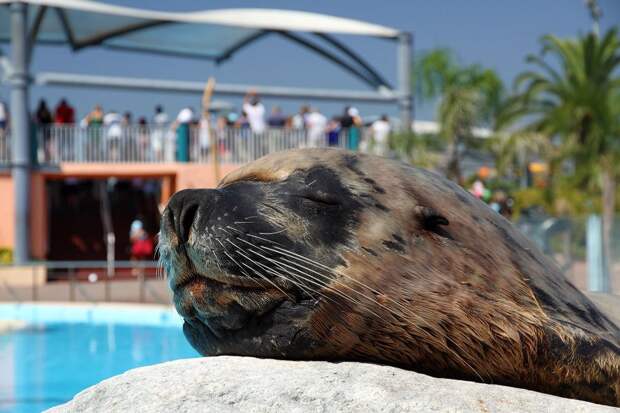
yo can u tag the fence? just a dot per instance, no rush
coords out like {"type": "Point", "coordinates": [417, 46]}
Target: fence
{"type": "Point", "coordinates": [93, 281]}
{"type": "Point", "coordinates": [5, 147]}
{"type": "Point", "coordinates": [576, 246]}
{"type": "Point", "coordinates": [567, 241]}
{"type": "Point", "coordinates": [158, 144]}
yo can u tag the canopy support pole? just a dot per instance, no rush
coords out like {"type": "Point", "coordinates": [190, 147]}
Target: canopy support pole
{"type": "Point", "coordinates": [20, 167]}
{"type": "Point", "coordinates": [404, 80]}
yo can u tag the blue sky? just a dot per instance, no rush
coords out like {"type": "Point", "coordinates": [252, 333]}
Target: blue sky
{"type": "Point", "coordinates": [496, 34]}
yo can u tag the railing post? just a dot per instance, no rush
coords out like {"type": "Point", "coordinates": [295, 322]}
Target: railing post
{"type": "Point", "coordinates": [71, 284]}
{"type": "Point", "coordinates": [35, 294]}
{"type": "Point", "coordinates": [405, 46]}
{"type": "Point", "coordinates": [142, 282]}
{"type": "Point", "coordinates": [216, 157]}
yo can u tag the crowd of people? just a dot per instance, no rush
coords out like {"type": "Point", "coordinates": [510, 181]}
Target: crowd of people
{"type": "Point", "coordinates": [163, 137]}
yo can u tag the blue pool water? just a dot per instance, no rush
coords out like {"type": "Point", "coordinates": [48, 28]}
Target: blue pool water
{"type": "Point", "coordinates": [65, 349]}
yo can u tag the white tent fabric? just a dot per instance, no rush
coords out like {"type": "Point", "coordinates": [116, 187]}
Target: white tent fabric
{"type": "Point", "coordinates": [211, 34]}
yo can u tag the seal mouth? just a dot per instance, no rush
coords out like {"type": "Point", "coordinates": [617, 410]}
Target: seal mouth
{"type": "Point", "coordinates": [226, 279]}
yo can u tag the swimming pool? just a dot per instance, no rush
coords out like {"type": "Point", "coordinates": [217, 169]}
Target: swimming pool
{"type": "Point", "coordinates": [65, 348]}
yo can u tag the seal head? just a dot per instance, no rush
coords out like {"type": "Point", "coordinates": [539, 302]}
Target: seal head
{"type": "Point", "coordinates": [322, 254]}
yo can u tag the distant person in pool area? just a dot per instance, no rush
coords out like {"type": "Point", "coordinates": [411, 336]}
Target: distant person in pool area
{"type": "Point", "coordinates": [141, 243]}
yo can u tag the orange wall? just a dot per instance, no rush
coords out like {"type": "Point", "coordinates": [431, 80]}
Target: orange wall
{"type": "Point", "coordinates": [176, 176]}
{"type": "Point", "coordinates": [6, 210]}
{"type": "Point", "coordinates": [38, 214]}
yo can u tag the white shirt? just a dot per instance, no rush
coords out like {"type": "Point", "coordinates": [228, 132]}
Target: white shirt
{"type": "Point", "coordinates": [316, 122]}
{"type": "Point", "coordinates": [205, 138]}
{"type": "Point", "coordinates": [256, 116]}
{"type": "Point", "coordinates": [381, 131]}
{"type": "Point", "coordinates": [299, 121]}
{"type": "Point", "coordinates": [160, 119]}
{"type": "Point", "coordinates": [112, 121]}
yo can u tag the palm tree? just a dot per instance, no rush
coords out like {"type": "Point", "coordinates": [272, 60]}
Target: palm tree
{"type": "Point", "coordinates": [576, 100]}
{"type": "Point", "coordinates": [468, 96]}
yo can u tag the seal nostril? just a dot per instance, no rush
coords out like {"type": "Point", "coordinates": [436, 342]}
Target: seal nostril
{"type": "Point", "coordinates": [183, 209]}
{"type": "Point", "coordinates": [186, 219]}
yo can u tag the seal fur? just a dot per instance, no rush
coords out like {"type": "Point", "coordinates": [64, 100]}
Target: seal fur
{"type": "Point", "coordinates": [329, 255]}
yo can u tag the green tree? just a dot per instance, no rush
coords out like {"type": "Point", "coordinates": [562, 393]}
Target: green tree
{"type": "Point", "coordinates": [469, 96]}
{"type": "Point", "coordinates": [574, 100]}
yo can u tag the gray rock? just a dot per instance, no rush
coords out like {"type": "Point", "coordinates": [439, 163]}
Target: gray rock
{"type": "Point", "coordinates": [243, 384]}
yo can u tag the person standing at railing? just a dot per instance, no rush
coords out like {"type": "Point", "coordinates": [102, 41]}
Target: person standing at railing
{"type": "Point", "coordinates": [64, 116]}
{"type": "Point", "coordinates": [4, 126]}
{"type": "Point", "coordinates": [276, 122]}
{"type": "Point", "coordinates": [43, 120]}
{"type": "Point", "coordinates": [143, 143]}
{"type": "Point", "coordinates": [113, 134]}
{"type": "Point", "coordinates": [204, 137]}
{"type": "Point", "coordinates": [299, 120]}
{"type": "Point", "coordinates": [346, 123]}
{"type": "Point", "coordinates": [353, 141]}
{"type": "Point", "coordinates": [333, 131]}
{"type": "Point", "coordinates": [182, 129]}
{"type": "Point", "coordinates": [159, 132]}
{"type": "Point", "coordinates": [380, 134]}
{"type": "Point", "coordinates": [4, 116]}
{"type": "Point", "coordinates": [94, 123]}
{"type": "Point", "coordinates": [128, 143]}
{"type": "Point", "coordinates": [316, 124]}
{"type": "Point", "coordinates": [255, 112]}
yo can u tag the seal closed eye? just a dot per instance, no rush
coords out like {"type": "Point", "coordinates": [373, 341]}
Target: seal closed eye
{"type": "Point", "coordinates": [328, 255]}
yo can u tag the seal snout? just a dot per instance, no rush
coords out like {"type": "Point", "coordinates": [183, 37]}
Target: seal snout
{"type": "Point", "coordinates": [184, 208]}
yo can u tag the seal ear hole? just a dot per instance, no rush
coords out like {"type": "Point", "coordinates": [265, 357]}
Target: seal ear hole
{"type": "Point", "coordinates": [433, 221]}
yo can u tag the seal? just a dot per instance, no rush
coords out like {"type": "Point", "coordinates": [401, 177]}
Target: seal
{"type": "Point", "coordinates": [323, 254]}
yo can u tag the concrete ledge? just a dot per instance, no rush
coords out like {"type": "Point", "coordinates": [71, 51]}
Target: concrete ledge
{"type": "Point", "coordinates": [244, 384]}
{"type": "Point", "coordinates": [23, 276]}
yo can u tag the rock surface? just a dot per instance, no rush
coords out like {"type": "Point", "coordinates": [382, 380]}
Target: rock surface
{"type": "Point", "coordinates": [243, 384]}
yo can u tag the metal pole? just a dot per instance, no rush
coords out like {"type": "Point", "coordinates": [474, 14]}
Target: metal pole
{"type": "Point", "coordinates": [227, 89]}
{"type": "Point", "coordinates": [405, 43]}
{"type": "Point", "coordinates": [20, 135]}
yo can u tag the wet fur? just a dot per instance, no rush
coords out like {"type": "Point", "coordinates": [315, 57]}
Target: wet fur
{"type": "Point", "coordinates": [450, 288]}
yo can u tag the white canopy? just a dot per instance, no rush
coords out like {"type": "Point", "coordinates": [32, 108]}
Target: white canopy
{"type": "Point", "coordinates": [211, 34]}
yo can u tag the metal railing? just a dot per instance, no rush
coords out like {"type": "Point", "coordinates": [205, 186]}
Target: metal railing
{"type": "Point", "coordinates": [91, 281]}
{"type": "Point", "coordinates": [159, 144]}
{"type": "Point", "coordinates": [5, 147]}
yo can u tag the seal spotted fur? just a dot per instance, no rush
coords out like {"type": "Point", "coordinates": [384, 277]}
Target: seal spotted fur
{"type": "Point", "coordinates": [322, 254]}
